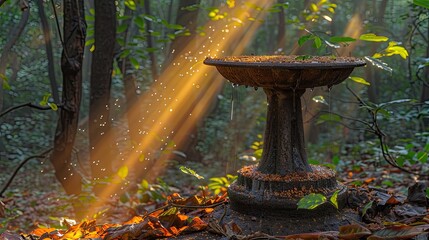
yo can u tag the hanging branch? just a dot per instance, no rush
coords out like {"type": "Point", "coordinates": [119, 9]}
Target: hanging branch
{"type": "Point", "coordinates": [375, 128]}
{"type": "Point", "coordinates": [41, 155]}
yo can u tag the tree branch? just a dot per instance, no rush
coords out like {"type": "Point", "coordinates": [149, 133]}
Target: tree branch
{"type": "Point", "coordinates": [29, 104]}
{"type": "Point", "coordinates": [41, 155]}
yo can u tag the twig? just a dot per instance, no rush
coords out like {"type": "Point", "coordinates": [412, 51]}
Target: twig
{"type": "Point", "coordinates": [41, 155]}
{"type": "Point", "coordinates": [29, 104]}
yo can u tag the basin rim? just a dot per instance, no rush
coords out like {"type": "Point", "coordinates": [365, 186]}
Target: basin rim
{"type": "Point", "coordinates": [291, 63]}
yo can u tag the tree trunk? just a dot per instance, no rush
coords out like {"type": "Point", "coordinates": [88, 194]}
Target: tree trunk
{"type": "Point", "coordinates": [424, 96]}
{"type": "Point", "coordinates": [153, 62]}
{"type": "Point", "coordinates": [370, 73]}
{"type": "Point", "coordinates": [49, 52]}
{"type": "Point", "coordinates": [13, 37]}
{"type": "Point", "coordinates": [187, 19]}
{"type": "Point", "coordinates": [101, 139]}
{"type": "Point", "coordinates": [71, 65]}
{"type": "Point", "coordinates": [281, 40]}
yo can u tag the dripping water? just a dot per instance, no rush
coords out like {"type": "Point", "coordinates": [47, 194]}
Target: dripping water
{"type": "Point", "coordinates": [233, 98]}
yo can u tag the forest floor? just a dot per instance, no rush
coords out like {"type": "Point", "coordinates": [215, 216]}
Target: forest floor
{"type": "Point", "coordinates": [35, 205]}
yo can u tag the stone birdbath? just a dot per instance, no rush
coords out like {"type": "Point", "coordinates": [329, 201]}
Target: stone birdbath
{"type": "Point", "coordinates": [283, 176]}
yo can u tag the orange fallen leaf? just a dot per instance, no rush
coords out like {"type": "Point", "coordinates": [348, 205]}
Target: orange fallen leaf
{"type": "Point", "coordinates": [40, 231]}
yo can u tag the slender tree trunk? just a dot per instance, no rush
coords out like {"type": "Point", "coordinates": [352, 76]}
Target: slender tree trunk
{"type": "Point", "coordinates": [49, 52]}
{"type": "Point", "coordinates": [102, 147]}
{"type": "Point", "coordinates": [370, 73]}
{"type": "Point", "coordinates": [71, 65]}
{"type": "Point", "coordinates": [424, 96]}
{"type": "Point", "coordinates": [153, 61]}
{"type": "Point", "coordinates": [129, 79]}
{"type": "Point", "coordinates": [187, 19]}
{"type": "Point", "coordinates": [13, 37]}
{"type": "Point", "coordinates": [281, 40]}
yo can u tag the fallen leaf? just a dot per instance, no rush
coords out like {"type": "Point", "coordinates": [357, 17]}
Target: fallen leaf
{"type": "Point", "coordinates": [314, 236]}
{"type": "Point", "coordinates": [353, 231]}
{"type": "Point", "coordinates": [395, 232]}
{"type": "Point", "coordinates": [2, 210]}
{"type": "Point", "coordinates": [10, 236]}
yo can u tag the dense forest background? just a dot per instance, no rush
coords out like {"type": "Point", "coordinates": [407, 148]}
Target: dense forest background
{"type": "Point", "coordinates": [141, 104]}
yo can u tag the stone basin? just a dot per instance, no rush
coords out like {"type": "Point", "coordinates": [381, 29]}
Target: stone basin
{"type": "Point", "coordinates": [285, 72]}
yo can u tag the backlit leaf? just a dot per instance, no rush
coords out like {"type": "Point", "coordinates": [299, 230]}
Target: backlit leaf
{"type": "Point", "coordinates": [371, 37]}
{"type": "Point", "coordinates": [53, 106]}
{"type": "Point", "coordinates": [311, 201]}
{"type": "Point", "coordinates": [320, 99]}
{"type": "Point", "coordinates": [131, 4]}
{"type": "Point", "coordinates": [360, 80]}
{"type": "Point", "coordinates": [89, 41]}
{"type": "Point", "coordinates": [334, 199]}
{"type": "Point", "coordinates": [314, 7]}
{"type": "Point", "coordinates": [123, 172]}
{"type": "Point", "coordinates": [190, 172]}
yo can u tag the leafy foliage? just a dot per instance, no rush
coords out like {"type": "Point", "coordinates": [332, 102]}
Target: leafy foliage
{"type": "Point", "coordinates": [191, 172]}
{"type": "Point", "coordinates": [220, 184]}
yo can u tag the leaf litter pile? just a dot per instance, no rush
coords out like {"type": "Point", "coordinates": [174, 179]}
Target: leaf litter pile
{"type": "Point", "coordinates": [383, 213]}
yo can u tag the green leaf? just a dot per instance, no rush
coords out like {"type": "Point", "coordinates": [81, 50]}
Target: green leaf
{"type": "Point", "coordinates": [5, 84]}
{"type": "Point", "coordinates": [366, 207]}
{"type": "Point", "coordinates": [45, 99]}
{"type": "Point", "coordinates": [304, 39]}
{"type": "Point", "coordinates": [170, 211]}
{"type": "Point", "coordinates": [371, 37]}
{"type": "Point", "coordinates": [337, 39]}
{"type": "Point", "coordinates": [328, 118]}
{"type": "Point", "coordinates": [422, 157]}
{"type": "Point", "coordinates": [131, 4]}
{"type": "Point", "coordinates": [134, 62]}
{"type": "Point", "coordinates": [90, 41]}
{"type": "Point", "coordinates": [360, 80]}
{"type": "Point", "coordinates": [121, 28]}
{"type": "Point", "coordinates": [191, 172]}
{"type": "Point", "coordinates": [311, 201]}
{"type": "Point", "coordinates": [317, 42]}
{"type": "Point", "coordinates": [53, 106]}
{"type": "Point", "coordinates": [303, 57]}
{"type": "Point", "coordinates": [334, 199]}
{"type": "Point", "coordinates": [421, 3]}
{"type": "Point", "coordinates": [139, 21]}
{"type": "Point", "coordinates": [123, 172]}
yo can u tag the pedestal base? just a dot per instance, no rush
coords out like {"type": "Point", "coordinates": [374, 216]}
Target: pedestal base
{"type": "Point", "coordinates": [273, 195]}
